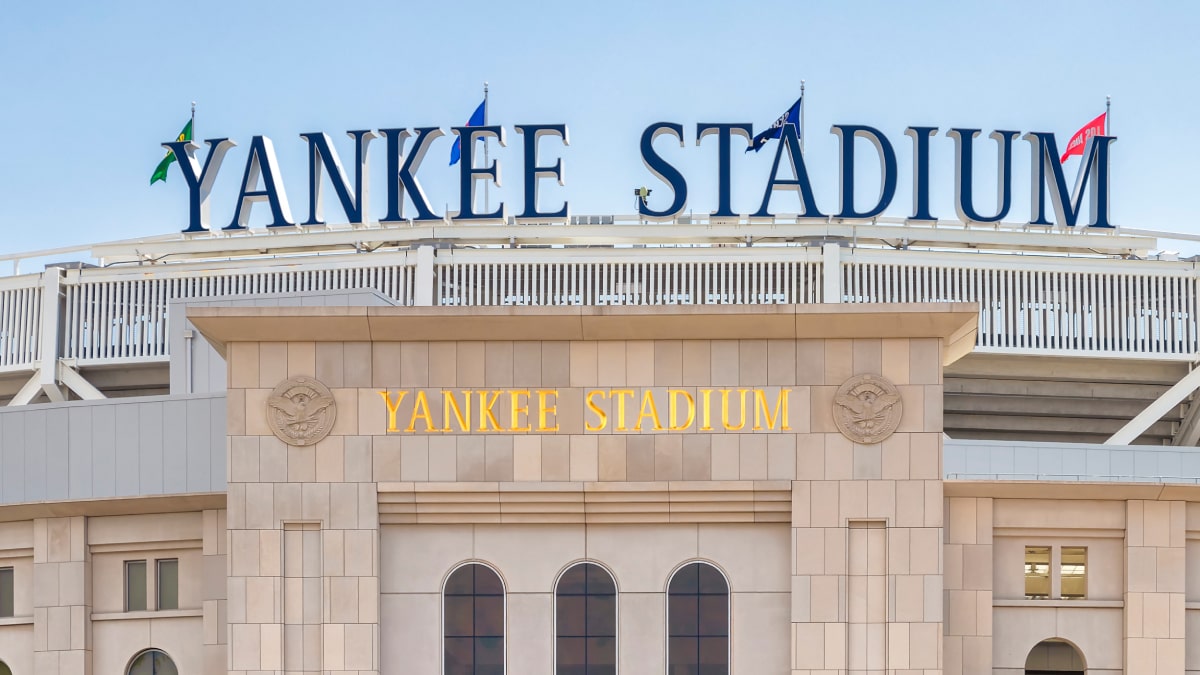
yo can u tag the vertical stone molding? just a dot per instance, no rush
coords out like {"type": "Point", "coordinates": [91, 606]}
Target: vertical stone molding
{"type": "Point", "coordinates": [214, 588]}
{"type": "Point", "coordinates": [968, 583]}
{"type": "Point", "coordinates": [62, 598]}
{"type": "Point", "coordinates": [1155, 545]}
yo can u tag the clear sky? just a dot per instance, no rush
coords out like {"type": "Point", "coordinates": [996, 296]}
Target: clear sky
{"type": "Point", "coordinates": [89, 90]}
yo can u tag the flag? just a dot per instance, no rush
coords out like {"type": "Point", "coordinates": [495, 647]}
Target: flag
{"type": "Point", "coordinates": [160, 173]}
{"type": "Point", "coordinates": [1080, 139]}
{"type": "Point", "coordinates": [792, 117]}
{"type": "Point", "coordinates": [476, 120]}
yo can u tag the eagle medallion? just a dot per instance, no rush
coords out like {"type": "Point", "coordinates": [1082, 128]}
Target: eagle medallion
{"type": "Point", "coordinates": [867, 409]}
{"type": "Point", "coordinates": [301, 411]}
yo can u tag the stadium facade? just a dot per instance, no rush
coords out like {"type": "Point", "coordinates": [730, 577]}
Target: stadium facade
{"type": "Point", "coordinates": [750, 446]}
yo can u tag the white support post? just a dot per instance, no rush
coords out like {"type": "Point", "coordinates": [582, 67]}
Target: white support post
{"type": "Point", "coordinates": [423, 292]}
{"type": "Point", "coordinates": [832, 270]}
{"type": "Point", "coordinates": [51, 342]}
{"type": "Point", "coordinates": [1154, 412]}
{"type": "Point", "coordinates": [32, 387]}
{"type": "Point", "coordinates": [75, 381]}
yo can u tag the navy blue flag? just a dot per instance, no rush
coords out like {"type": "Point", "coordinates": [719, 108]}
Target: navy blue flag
{"type": "Point", "coordinates": [475, 121]}
{"type": "Point", "coordinates": [792, 117]}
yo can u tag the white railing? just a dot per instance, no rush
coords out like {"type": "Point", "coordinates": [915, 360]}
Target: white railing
{"type": "Point", "coordinates": [1044, 305]}
{"type": "Point", "coordinates": [479, 278]}
{"type": "Point", "coordinates": [1029, 304]}
{"type": "Point", "coordinates": [20, 322]}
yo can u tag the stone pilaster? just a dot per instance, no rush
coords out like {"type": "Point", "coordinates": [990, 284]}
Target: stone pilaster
{"type": "Point", "coordinates": [1155, 573]}
{"type": "Point", "coordinates": [213, 593]}
{"type": "Point", "coordinates": [968, 584]}
{"type": "Point", "coordinates": [62, 598]}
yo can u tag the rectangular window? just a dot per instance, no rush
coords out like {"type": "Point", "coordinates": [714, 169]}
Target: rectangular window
{"type": "Point", "coordinates": [1037, 572]}
{"type": "Point", "coordinates": [168, 584]}
{"type": "Point", "coordinates": [135, 585]}
{"type": "Point", "coordinates": [1073, 572]}
{"type": "Point", "coordinates": [6, 591]}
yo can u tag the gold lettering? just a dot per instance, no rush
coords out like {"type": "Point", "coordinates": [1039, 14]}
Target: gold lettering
{"type": "Point", "coordinates": [619, 395]}
{"type": "Point", "coordinates": [673, 409]}
{"type": "Point", "coordinates": [762, 411]}
{"type": "Point", "coordinates": [485, 410]}
{"type": "Point", "coordinates": [648, 403]}
{"type": "Point", "coordinates": [450, 406]}
{"type": "Point", "coordinates": [600, 414]}
{"type": "Point", "coordinates": [544, 409]}
{"type": "Point", "coordinates": [706, 409]}
{"type": "Point", "coordinates": [393, 407]}
{"type": "Point", "coordinates": [421, 411]}
{"type": "Point", "coordinates": [725, 409]}
{"type": "Point", "coordinates": [518, 409]}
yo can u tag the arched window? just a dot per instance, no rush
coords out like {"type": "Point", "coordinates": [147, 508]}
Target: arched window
{"type": "Point", "coordinates": [1054, 657]}
{"type": "Point", "coordinates": [152, 662]}
{"type": "Point", "coordinates": [473, 622]}
{"type": "Point", "coordinates": [585, 612]}
{"type": "Point", "coordinates": [4, 669]}
{"type": "Point", "coordinates": [698, 621]}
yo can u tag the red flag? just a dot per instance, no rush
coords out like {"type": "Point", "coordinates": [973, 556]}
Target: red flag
{"type": "Point", "coordinates": [1080, 139]}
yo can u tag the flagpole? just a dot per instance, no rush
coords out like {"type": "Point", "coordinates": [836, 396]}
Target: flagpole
{"type": "Point", "coordinates": [1107, 114]}
{"type": "Point", "coordinates": [801, 115]}
{"type": "Point", "coordinates": [193, 119]}
{"type": "Point", "coordinates": [486, 163]}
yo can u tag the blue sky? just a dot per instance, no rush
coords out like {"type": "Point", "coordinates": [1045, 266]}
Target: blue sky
{"type": "Point", "coordinates": [91, 89]}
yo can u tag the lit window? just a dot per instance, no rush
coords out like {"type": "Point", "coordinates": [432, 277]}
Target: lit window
{"type": "Point", "coordinates": [698, 621]}
{"type": "Point", "coordinates": [168, 584]}
{"type": "Point", "coordinates": [152, 662]}
{"type": "Point", "coordinates": [1037, 572]}
{"type": "Point", "coordinates": [586, 621]}
{"type": "Point", "coordinates": [1073, 572]}
{"type": "Point", "coordinates": [473, 622]}
{"type": "Point", "coordinates": [6, 595]}
{"type": "Point", "coordinates": [135, 585]}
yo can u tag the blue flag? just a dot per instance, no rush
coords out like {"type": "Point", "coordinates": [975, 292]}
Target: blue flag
{"type": "Point", "coordinates": [792, 117]}
{"type": "Point", "coordinates": [475, 121]}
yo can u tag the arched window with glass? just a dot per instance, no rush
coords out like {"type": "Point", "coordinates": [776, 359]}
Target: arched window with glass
{"type": "Point", "coordinates": [152, 662]}
{"type": "Point", "coordinates": [585, 617]}
{"type": "Point", "coordinates": [473, 621]}
{"type": "Point", "coordinates": [698, 621]}
{"type": "Point", "coordinates": [4, 669]}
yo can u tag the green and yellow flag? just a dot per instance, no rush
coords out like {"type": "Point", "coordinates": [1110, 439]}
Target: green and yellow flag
{"type": "Point", "coordinates": [160, 173]}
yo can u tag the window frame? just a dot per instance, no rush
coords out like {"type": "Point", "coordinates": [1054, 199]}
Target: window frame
{"type": "Point", "coordinates": [126, 585]}
{"type": "Point", "coordinates": [616, 611]}
{"type": "Point", "coordinates": [1084, 576]}
{"type": "Point", "coordinates": [503, 607]}
{"type": "Point", "coordinates": [728, 613]}
{"type": "Point", "coordinates": [1025, 576]}
{"type": "Point", "coordinates": [133, 659]}
{"type": "Point", "coordinates": [11, 590]}
{"type": "Point", "coordinates": [158, 585]}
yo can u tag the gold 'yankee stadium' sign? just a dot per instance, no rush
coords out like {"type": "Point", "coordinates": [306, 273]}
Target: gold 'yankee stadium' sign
{"type": "Point", "coordinates": [604, 410]}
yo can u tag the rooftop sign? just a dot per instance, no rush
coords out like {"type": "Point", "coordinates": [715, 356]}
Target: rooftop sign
{"type": "Point", "coordinates": [261, 180]}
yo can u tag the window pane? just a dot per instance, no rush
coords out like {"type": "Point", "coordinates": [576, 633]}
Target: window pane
{"type": "Point", "coordinates": [698, 623]}
{"type": "Point", "coordinates": [6, 596]}
{"type": "Point", "coordinates": [1073, 571]}
{"type": "Point", "coordinates": [571, 656]}
{"type": "Point", "coordinates": [586, 622]}
{"type": "Point", "coordinates": [489, 655]}
{"type": "Point", "coordinates": [599, 581]}
{"type": "Point", "coordinates": [686, 579]}
{"type": "Point", "coordinates": [601, 615]}
{"type": "Point", "coordinates": [573, 581]}
{"type": "Point", "coordinates": [461, 581]}
{"type": "Point", "coordinates": [714, 655]}
{"type": "Point", "coordinates": [460, 616]}
{"type": "Point", "coordinates": [683, 655]}
{"type": "Point", "coordinates": [601, 655]}
{"type": "Point", "coordinates": [487, 582]}
{"type": "Point", "coordinates": [572, 610]}
{"type": "Point", "coordinates": [710, 580]}
{"type": "Point", "coordinates": [1037, 572]}
{"type": "Point", "coordinates": [489, 616]}
{"type": "Point", "coordinates": [168, 584]}
{"type": "Point", "coordinates": [473, 611]}
{"type": "Point", "coordinates": [714, 615]}
{"type": "Point", "coordinates": [152, 662]}
{"type": "Point", "coordinates": [135, 585]}
{"type": "Point", "coordinates": [460, 659]}
{"type": "Point", "coordinates": [683, 615]}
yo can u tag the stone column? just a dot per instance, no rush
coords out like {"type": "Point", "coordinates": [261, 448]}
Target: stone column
{"type": "Point", "coordinates": [1155, 572]}
{"type": "Point", "coordinates": [214, 586]}
{"type": "Point", "coordinates": [968, 582]}
{"type": "Point", "coordinates": [62, 597]}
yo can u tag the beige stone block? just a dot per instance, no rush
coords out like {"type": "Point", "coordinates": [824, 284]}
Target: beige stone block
{"type": "Point", "coordinates": [243, 459]}
{"type": "Point", "coordinates": [333, 641]}
{"type": "Point", "coordinates": [272, 364]}
{"type": "Point", "coordinates": [372, 413]}
{"type": "Point", "coordinates": [668, 363]}
{"type": "Point", "coordinates": [245, 640]}
{"type": "Point", "coordinates": [499, 458]}
{"type": "Point", "coordinates": [910, 503]}
{"type": "Point", "coordinates": [925, 550]}
{"type": "Point", "coordinates": [259, 507]}
{"type": "Point", "coordinates": [333, 556]}
{"type": "Point", "coordinates": [1169, 656]}
{"type": "Point", "coordinates": [343, 505]}
{"type": "Point", "coordinates": [801, 503]}
{"type": "Point", "coordinates": [356, 364]}
{"type": "Point", "coordinates": [881, 500]}
{"type": "Point", "coordinates": [556, 458]}
{"type": "Point", "coordinates": [443, 458]}
{"type": "Point", "coordinates": [243, 365]}
{"type": "Point", "coordinates": [934, 499]}
{"type": "Point", "coordinates": [472, 458]}
{"type": "Point", "coordinates": [836, 542]}
{"type": "Point", "coordinates": [329, 358]}
{"type": "Point", "coordinates": [810, 456]}
{"type": "Point", "coordinates": [260, 600]}
{"type": "Point", "coordinates": [925, 361]}
{"type": "Point", "coordinates": [498, 363]}
{"type": "Point", "coordinates": [821, 410]}
{"type": "Point", "coordinates": [852, 495]}
{"type": "Point", "coordinates": [1156, 615]}
{"type": "Point", "coordinates": [868, 356]}
{"type": "Point", "coordinates": [556, 364]}
{"type": "Point", "coordinates": [913, 398]}
{"type": "Point", "coordinates": [839, 361]}
{"type": "Point", "coordinates": [1134, 527]}
{"type": "Point", "coordinates": [414, 364]}
{"type": "Point", "coordinates": [726, 456]}
{"type": "Point", "coordinates": [781, 457]}
{"type": "Point", "coordinates": [898, 550]}
{"type": "Point", "coordinates": [977, 568]}
{"type": "Point", "coordinates": [752, 363]}
{"type": "Point", "coordinates": [810, 362]}
{"type": "Point", "coordinates": [808, 642]}
{"type": "Point", "coordinates": [331, 459]}
{"type": "Point", "coordinates": [835, 645]}
{"type": "Point", "coordinates": [610, 355]}
{"type": "Point", "coordinates": [1141, 569]}
{"type": "Point", "coordinates": [724, 363]}
{"type": "Point", "coordinates": [302, 360]}
{"type": "Point", "coordinates": [895, 360]}
{"type": "Point", "coordinates": [839, 457]}
{"type": "Point", "coordinates": [443, 364]}
{"type": "Point", "coordinates": [810, 552]}
{"type": "Point", "coordinates": [302, 464]}
{"type": "Point", "coordinates": [963, 612]}
{"type": "Point", "coordinates": [585, 458]}
{"type": "Point", "coordinates": [414, 458]}
{"type": "Point", "coordinates": [825, 505]}
{"type": "Point", "coordinates": [469, 366]}
{"type": "Point", "coordinates": [314, 499]}
{"type": "Point", "coordinates": [925, 453]}
{"type": "Point", "coordinates": [983, 603]}
{"type": "Point", "coordinates": [287, 501]}
{"type": "Point", "coordinates": [867, 461]}
{"type": "Point", "coordinates": [360, 553]}
{"type": "Point", "coordinates": [256, 412]}
{"type": "Point", "coordinates": [584, 362]}
{"type": "Point", "coordinates": [611, 456]}
{"type": "Point", "coordinates": [962, 529]}
{"type": "Point", "coordinates": [1156, 523]}
{"type": "Point", "coordinates": [697, 363]}
{"type": "Point", "coordinates": [827, 604]}
{"type": "Point", "coordinates": [527, 364]}
{"type": "Point", "coordinates": [386, 369]}
{"type": "Point", "coordinates": [235, 412]}
{"type": "Point", "coordinates": [639, 364]}
{"type": "Point", "coordinates": [895, 452]}
{"type": "Point", "coordinates": [933, 407]}
{"type": "Point", "coordinates": [781, 363]}
{"type": "Point", "coordinates": [527, 458]}
{"type": "Point", "coordinates": [697, 457]}
{"type": "Point", "coordinates": [752, 459]}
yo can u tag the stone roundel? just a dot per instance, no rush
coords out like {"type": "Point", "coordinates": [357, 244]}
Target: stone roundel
{"type": "Point", "coordinates": [867, 408]}
{"type": "Point", "coordinates": [301, 411]}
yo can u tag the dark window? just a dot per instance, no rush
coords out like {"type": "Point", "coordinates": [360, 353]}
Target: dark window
{"type": "Point", "coordinates": [152, 662]}
{"type": "Point", "coordinates": [474, 622]}
{"type": "Point", "coordinates": [168, 584]}
{"type": "Point", "coordinates": [586, 617]}
{"type": "Point", "coordinates": [4, 669]}
{"type": "Point", "coordinates": [698, 621]}
{"type": "Point", "coordinates": [135, 585]}
{"type": "Point", "coordinates": [6, 595]}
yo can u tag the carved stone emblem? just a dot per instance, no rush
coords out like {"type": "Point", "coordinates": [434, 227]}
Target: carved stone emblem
{"type": "Point", "coordinates": [867, 409]}
{"type": "Point", "coordinates": [301, 411]}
